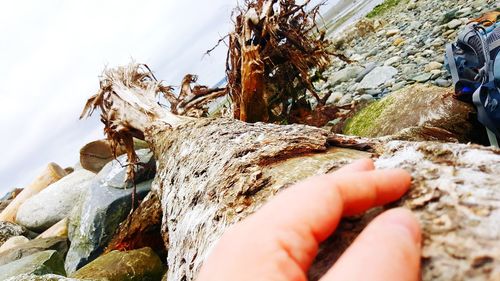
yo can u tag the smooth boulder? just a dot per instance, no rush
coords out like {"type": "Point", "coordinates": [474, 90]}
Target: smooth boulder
{"type": "Point", "coordinates": [136, 265]}
{"type": "Point", "coordinates": [34, 246]}
{"type": "Point", "coordinates": [95, 155]}
{"type": "Point", "coordinates": [114, 174]}
{"type": "Point", "coordinates": [55, 202]}
{"type": "Point", "coordinates": [96, 218]}
{"type": "Point", "coordinates": [59, 229]}
{"type": "Point", "coordinates": [419, 113]}
{"type": "Point", "coordinates": [41, 263]}
{"type": "Point", "coordinates": [48, 176]}
{"type": "Point", "coordinates": [345, 75]}
{"type": "Point", "coordinates": [377, 77]}
{"type": "Point", "coordinates": [13, 242]}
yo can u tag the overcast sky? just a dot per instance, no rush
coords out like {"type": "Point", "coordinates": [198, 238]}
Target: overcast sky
{"type": "Point", "coordinates": [52, 52]}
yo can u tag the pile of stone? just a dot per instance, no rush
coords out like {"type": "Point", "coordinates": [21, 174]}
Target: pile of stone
{"type": "Point", "coordinates": [403, 46]}
{"type": "Point", "coordinates": [60, 225]}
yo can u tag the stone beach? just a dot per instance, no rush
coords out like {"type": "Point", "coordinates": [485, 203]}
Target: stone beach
{"type": "Point", "coordinates": [61, 229]}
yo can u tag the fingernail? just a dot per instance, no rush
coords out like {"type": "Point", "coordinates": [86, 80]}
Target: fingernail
{"type": "Point", "coordinates": [406, 221]}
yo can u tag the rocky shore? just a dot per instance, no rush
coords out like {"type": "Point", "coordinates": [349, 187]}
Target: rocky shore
{"type": "Point", "coordinates": [68, 224]}
{"type": "Point", "coordinates": [401, 46]}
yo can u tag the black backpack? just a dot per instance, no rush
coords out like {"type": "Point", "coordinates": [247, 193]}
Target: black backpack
{"type": "Point", "coordinates": [474, 64]}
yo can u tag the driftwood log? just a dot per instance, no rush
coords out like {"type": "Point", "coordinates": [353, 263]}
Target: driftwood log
{"type": "Point", "coordinates": [212, 173]}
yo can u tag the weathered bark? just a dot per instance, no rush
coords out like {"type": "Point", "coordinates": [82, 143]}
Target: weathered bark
{"type": "Point", "coordinates": [215, 172]}
{"type": "Point", "coordinates": [205, 189]}
{"type": "Point", "coordinates": [192, 101]}
{"type": "Point", "coordinates": [253, 105]}
{"type": "Point", "coordinates": [141, 229]}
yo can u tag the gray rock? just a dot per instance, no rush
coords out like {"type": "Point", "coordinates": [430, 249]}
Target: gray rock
{"type": "Point", "coordinates": [453, 24]}
{"type": "Point", "coordinates": [34, 246]}
{"type": "Point", "coordinates": [334, 98]}
{"type": "Point", "coordinates": [372, 92]}
{"type": "Point", "coordinates": [398, 86]}
{"type": "Point", "coordinates": [436, 73]}
{"type": "Point", "coordinates": [408, 69]}
{"type": "Point", "coordinates": [392, 61]}
{"type": "Point", "coordinates": [443, 83]}
{"type": "Point", "coordinates": [41, 263]}
{"type": "Point", "coordinates": [8, 230]}
{"type": "Point", "coordinates": [115, 172]}
{"type": "Point", "coordinates": [422, 78]}
{"type": "Point", "coordinates": [433, 65]}
{"type": "Point", "coordinates": [345, 75]}
{"type": "Point", "coordinates": [368, 68]}
{"type": "Point", "coordinates": [13, 242]}
{"type": "Point", "coordinates": [366, 97]}
{"type": "Point", "coordinates": [55, 202]}
{"type": "Point", "coordinates": [420, 60]}
{"type": "Point", "coordinates": [93, 222]}
{"type": "Point", "coordinates": [373, 52]}
{"type": "Point", "coordinates": [438, 42]}
{"type": "Point", "coordinates": [346, 99]}
{"type": "Point", "coordinates": [392, 32]}
{"type": "Point", "coordinates": [377, 77]}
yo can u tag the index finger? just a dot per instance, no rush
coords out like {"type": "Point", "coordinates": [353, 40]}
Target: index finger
{"type": "Point", "coordinates": [304, 215]}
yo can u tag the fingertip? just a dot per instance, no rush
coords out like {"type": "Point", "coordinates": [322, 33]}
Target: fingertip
{"type": "Point", "coordinates": [364, 164]}
{"type": "Point", "coordinates": [392, 185]}
{"type": "Point", "coordinates": [389, 248]}
{"type": "Point", "coordinates": [403, 219]}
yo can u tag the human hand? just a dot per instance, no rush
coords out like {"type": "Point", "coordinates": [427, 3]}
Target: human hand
{"type": "Point", "coordinates": [281, 240]}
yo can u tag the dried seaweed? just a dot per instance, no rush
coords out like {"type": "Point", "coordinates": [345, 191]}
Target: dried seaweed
{"type": "Point", "coordinates": [125, 100]}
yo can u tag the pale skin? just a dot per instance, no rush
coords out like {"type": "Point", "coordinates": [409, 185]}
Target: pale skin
{"type": "Point", "coordinates": [280, 241]}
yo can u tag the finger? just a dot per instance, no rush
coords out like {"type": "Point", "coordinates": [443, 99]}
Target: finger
{"type": "Point", "coordinates": [387, 250]}
{"type": "Point", "coordinates": [365, 164]}
{"type": "Point", "coordinates": [306, 214]}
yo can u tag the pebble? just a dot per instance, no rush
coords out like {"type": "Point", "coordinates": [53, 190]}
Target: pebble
{"type": "Point", "coordinates": [377, 77]}
{"type": "Point", "coordinates": [453, 24]}
{"type": "Point", "coordinates": [346, 99]}
{"type": "Point", "coordinates": [410, 41]}
{"type": "Point", "coordinates": [334, 97]}
{"type": "Point", "coordinates": [368, 68]}
{"type": "Point", "coordinates": [436, 73]}
{"type": "Point", "coordinates": [434, 65]}
{"type": "Point", "coordinates": [392, 32]}
{"type": "Point", "coordinates": [366, 97]}
{"type": "Point", "coordinates": [422, 77]}
{"type": "Point", "coordinates": [392, 61]}
{"type": "Point", "coordinates": [398, 42]}
{"type": "Point", "coordinates": [443, 83]}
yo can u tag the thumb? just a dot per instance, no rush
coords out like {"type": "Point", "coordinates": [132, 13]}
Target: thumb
{"type": "Point", "coordinates": [387, 250]}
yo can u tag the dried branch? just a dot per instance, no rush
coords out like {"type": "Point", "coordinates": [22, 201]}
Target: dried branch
{"type": "Point", "coordinates": [273, 50]}
{"type": "Point", "coordinates": [126, 99]}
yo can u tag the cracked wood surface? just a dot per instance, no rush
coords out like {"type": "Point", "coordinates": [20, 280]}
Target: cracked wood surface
{"type": "Point", "coordinates": [213, 173]}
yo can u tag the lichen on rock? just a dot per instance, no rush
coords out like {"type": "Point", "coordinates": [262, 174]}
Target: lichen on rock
{"type": "Point", "coordinates": [417, 112]}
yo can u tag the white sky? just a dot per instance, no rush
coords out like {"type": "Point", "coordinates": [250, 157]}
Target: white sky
{"type": "Point", "coordinates": [52, 52]}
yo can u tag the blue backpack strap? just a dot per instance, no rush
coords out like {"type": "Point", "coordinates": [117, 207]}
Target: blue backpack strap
{"type": "Point", "coordinates": [452, 64]}
{"type": "Point", "coordinates": [482, 116]}
{"type": "Point", "coordinates": [496, 68]}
